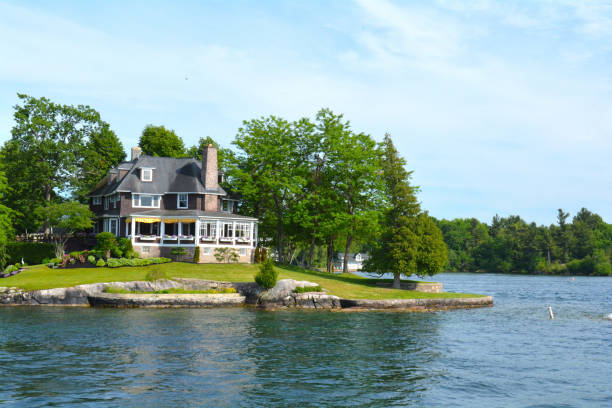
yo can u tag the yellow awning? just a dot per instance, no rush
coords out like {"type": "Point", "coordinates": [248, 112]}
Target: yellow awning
{"type": "Point", "coordinates": [146, 220]}
{"type": "Point", "coordinates": [128, 220]}
{"type": "Point", "coordinates": [187, 220]}
{"type": "Point", "coordinates": [170, 220]}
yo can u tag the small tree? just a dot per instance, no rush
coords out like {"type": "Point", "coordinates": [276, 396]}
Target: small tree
{"type": "Point", "coordinates": [257, 256]}
{"type": "Point", "coordinates": [267, 275]}
{"type": "Point", "coordinates": [106, 242]}
{"type": "Point", "coordinates": [226, 255]}
{"type": "Point", "coordinates": [178, 253]}
{"type": "Point", "coordinates": [196, 255]}
{"type": "Point", "coordinates": [66, 219]}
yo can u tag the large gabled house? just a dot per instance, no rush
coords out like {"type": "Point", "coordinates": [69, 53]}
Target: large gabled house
{"type": "Point", "coordinates": [161, 203]}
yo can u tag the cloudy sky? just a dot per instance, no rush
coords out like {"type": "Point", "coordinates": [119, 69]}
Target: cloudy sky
{"type": "Point", "coordinates": [498, 107]}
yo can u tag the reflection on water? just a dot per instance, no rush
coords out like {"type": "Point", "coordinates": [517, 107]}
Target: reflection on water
{"type": "Point", "coordinates": [508, 355]}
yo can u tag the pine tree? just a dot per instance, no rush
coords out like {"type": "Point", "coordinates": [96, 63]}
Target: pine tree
{"type": "Point", "coordinates": [410, 242]}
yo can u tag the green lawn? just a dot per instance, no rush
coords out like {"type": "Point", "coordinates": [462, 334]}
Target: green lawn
{"type": "Point", "coordinates": [348, 286]}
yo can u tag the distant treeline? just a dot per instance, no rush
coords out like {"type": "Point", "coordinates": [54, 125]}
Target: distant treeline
{"type": "Point", "coordinates": [510, 245]}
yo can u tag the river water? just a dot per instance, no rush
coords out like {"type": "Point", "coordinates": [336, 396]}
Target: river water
{"type": "Point", "coordinates": [510, 355]}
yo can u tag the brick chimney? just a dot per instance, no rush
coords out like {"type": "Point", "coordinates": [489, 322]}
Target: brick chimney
{"type": "Point", "coordinates": [209, 168]}
{"type": "Point", "coordinates": [136, 152]}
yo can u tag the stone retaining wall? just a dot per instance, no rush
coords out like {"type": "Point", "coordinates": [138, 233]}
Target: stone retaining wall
{"type": "Point", "coordinates": [165, 300]}
{"type": "Point", "coordinates": [282, 296]}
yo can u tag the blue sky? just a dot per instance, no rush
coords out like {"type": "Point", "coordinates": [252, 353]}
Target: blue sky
{"type": "Point", "coordinates": [498, 107]}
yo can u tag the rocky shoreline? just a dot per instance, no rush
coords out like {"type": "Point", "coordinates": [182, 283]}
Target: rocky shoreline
{"type": "Point", "coordinates": [282, 296]}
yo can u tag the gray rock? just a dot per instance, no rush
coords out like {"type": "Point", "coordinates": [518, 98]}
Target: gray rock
{"type": "Point", "coordinates": [166, 300]}
{"type": "Point", "coordinates": [283, 295]}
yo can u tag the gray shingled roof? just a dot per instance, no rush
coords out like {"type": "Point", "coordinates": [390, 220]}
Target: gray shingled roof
{"type": "Point", "coordinates": [170, 175]}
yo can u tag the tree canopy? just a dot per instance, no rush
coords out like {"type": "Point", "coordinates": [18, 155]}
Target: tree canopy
{"type": "Point", "coordinates": [159, 141]}
{"type": "Point", "coordinates": [54, 151]}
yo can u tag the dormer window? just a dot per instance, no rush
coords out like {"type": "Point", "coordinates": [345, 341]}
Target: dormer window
{"type": "Point", "coordinates": [227, 205]}
{"type": "Point", "coordinates": [146, 174]}
{"type": "Point", "coordinates": [182, 201]}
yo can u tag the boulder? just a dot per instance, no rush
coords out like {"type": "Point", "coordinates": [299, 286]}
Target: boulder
{"type": "Point", "coordinates": [283, 295]}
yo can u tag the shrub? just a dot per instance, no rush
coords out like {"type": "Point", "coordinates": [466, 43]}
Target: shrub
{"type": "Point", "coordinates": [226, 255]}
{"type": "Point", "coordinates": [91, 259]}
{"type": "Point", "coordinates": [32, 253]}
{"type": "Point", "coordinates": [257, 255]}
{"type": "Point", "coordinates": [125, 245]}
{"type": "Point", "coordinates": [100, 263]}
{"type": "Point", "coordinates": [196, 255]}
{"type": "Point", "coordinates": [75, 254]}
{"type": "Point", "coordinates": [178, 252]}
{"type": "Point", "coordinates": [116, 252]}
{"type": "Point", "coordinates": [11, 268]}
{"type": "Point", "coordinates": [106, 243]}
{"type": "Point", "coordinates": [156, 274]}
{"type": "Point", "coordinates": [307, 289]}
{"type": "Point", "coordinates": [267, 275]}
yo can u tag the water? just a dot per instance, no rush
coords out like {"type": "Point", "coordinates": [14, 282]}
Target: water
{"type": "Point", "coordinates": [511, 355]}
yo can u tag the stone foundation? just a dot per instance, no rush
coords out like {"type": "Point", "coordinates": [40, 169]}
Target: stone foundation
{"type": "Point", "coordinates": [156, 251]}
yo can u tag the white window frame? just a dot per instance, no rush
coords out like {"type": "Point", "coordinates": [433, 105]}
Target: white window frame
{"type": "Point", "coordinates": [97, 200]}
{"type": "Point", "coordinates": [243, 230]}
{"type": "Point", "coordinates": [137, 200]}
{"type": "Point", "coordinates": [106, 200]}
{"type": "Point", "coordinates": [230, 229]}
{"type": "Point", "coordinates": [146, 249]}
{"type": "Point", "coordinates": [206, 250]}
{"type": "Point", "coordinates": [243, 252]}
{"type": "Point", "coordinates": [230, 203]}
{"type": "Point", "coordinates": [145, 170]}
{"type": "Point", "coordinates": [178, 201]}
{"type": "Point", "coordinates": [204, 229]}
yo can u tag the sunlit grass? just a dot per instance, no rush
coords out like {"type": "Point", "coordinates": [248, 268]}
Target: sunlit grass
{"type": "Point", "coordinates": [348, 286]}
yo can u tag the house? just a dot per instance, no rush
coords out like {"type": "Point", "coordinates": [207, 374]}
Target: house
{"type": "Point", "coordinates": [355, 261]}
{"type": "Point", "coordinates": [161, 203]}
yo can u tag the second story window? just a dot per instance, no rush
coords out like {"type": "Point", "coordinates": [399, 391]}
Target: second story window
{"type": "Point", "coordinates": [227, 205]}
{"type": "Point", "coordinates": [97, 200]}
{"type": "Point", "coordinates": [106, 200]}
{"type": "Point", "coordinates": [181, 201]}
{"type": "Point", "coordinates": [145, 201]}
{"type": "Point", "coordinates": [146, 174]}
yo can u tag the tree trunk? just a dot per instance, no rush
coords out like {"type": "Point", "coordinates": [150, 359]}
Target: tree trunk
{"type": "Point", "coordinates": [311, 253]}
{"type": "Point", "coordinates": [279, 240]}
{"type": "Point", "coordinates": [330, 256]}
{"type": "Point", "coordinates": [48, 200]}
{"type": "Point", "coordinates": [396, 281]}
{"type": "Point", "coordinates": [347, 251]}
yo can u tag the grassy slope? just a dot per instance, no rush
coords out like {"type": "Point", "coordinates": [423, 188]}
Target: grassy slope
{"type": "Point", "coordinates": [346, 285]}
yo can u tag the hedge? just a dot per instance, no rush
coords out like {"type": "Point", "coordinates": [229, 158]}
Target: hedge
{"type": "Point", "coordinates": [32, 253]}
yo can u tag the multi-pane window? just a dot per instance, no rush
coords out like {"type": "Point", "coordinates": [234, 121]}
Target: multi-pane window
{"type": "Point", "coordinates": [243, 251]}
{"type": "Point", "coordinates": [182, 201]}
{"type": "Point", "coordinates": [106, 200]}
{"type": "Point", "coordinates": [243, 230]}
{"type": "Point", "coordinates": [97, 200]}
{"type": "Point", "coordinates": [227, 230]}
{"type": "Point", "coordinates": [208, 229]}
{"type": "Point", "coordinates": [146, 174]}
{"type": "Point", "coordinates": [227, 205]}
{"type": "Point", "coordinates": [145, 200]}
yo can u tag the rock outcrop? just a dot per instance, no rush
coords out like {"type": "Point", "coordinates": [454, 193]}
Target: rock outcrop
{"type": "Point", "coordinates": [283, 295]}
{"type": "Point", "coordinates": [122, 300]}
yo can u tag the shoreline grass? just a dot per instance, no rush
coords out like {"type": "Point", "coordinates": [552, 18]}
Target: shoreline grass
{"type": "Point", "coordinates": [347, 286]}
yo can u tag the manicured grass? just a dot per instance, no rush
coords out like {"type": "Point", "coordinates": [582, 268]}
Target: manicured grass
{"type": "Point", "coordinates": [173, 291]}
{"type": "Point", "coordinates": [347, 286]}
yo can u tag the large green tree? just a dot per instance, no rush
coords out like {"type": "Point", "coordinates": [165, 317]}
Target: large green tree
{"type": "Point", "coordinates": [45, 155]}
{"type": "Point", "coordinates": [102, 151]}
{"type": "Point", "coordinates": [159, 141]}
{"type": "Point", "coordinates": [268, 171]}
{"type": "Point", "coordinates": [223, 155]}
{"type": "Point", "coordinates": [66, 219]}
{"type": "Point", "coordinates": [410, 242]}
{"type": "Point", "coordinates": [6, 227]}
